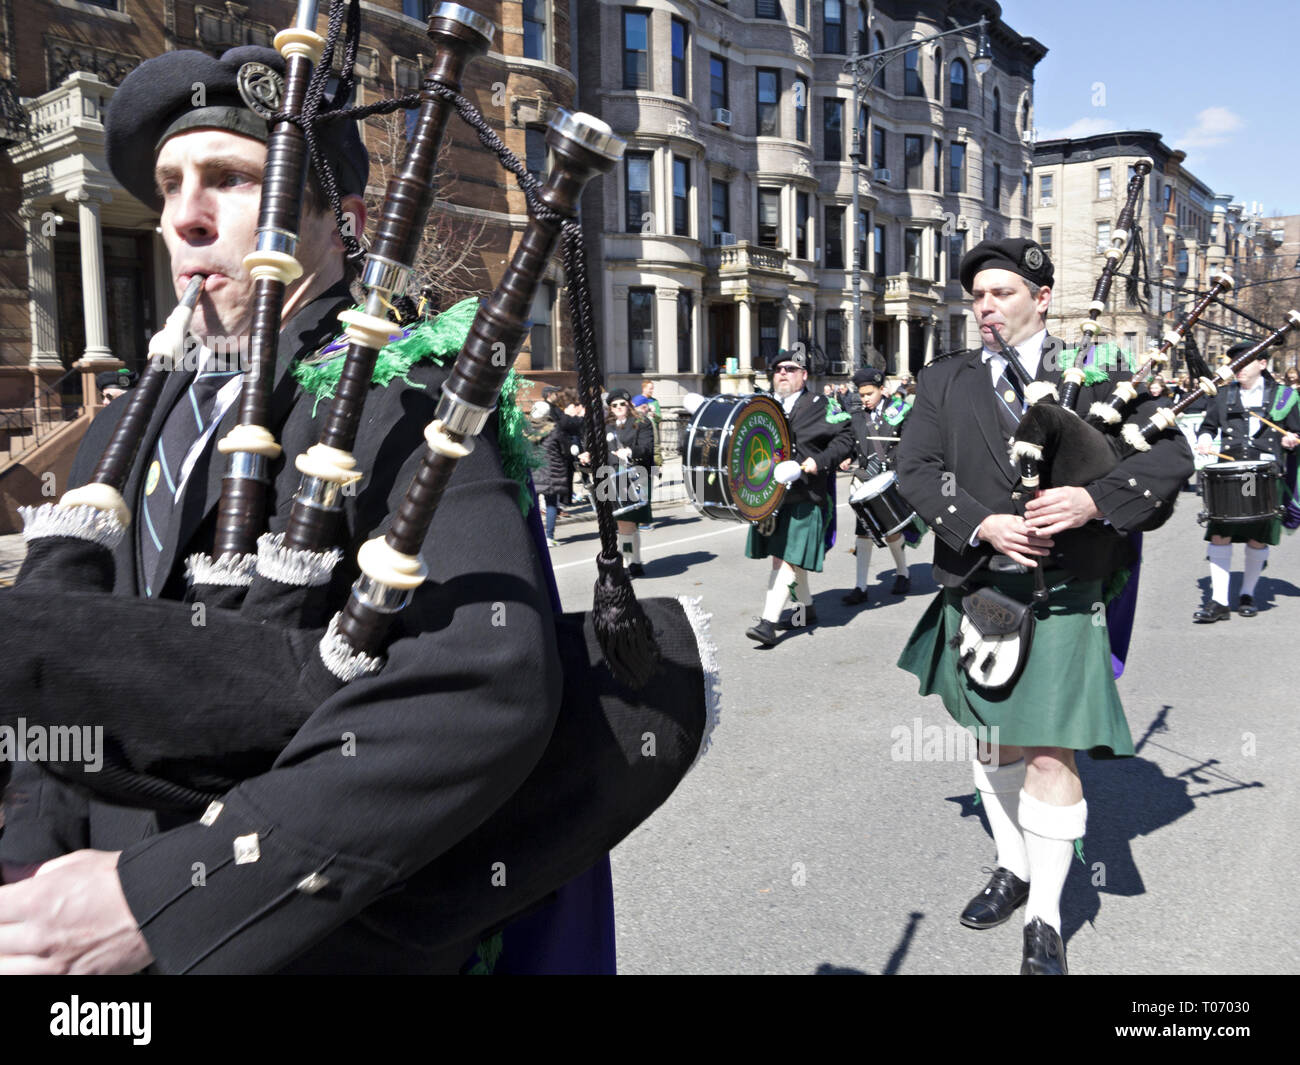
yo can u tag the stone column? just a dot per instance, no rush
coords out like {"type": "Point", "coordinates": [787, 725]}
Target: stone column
{"type": "Point", "coordinates": [789, 309]}
{"type": "Point", "coordinates": [745, 333]}
{"type": "Point", "coordinates": [903, 361]}
{"type": "Point", "coordinates": [93, 294]}
{"type": "Point", "coordinates": [665, 360]}
{"type": "Point", "coordinates": [40, 223]}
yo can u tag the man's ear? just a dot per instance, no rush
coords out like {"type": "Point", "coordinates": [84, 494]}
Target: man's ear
{"type": "Point", "coordinates": [354, 213]}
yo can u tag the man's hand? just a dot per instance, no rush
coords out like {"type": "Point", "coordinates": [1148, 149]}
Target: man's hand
{"type": "Point", "coordinates": [846, 463]}
{"type": "Point", "coordinates": [1010, 535]}
{"type": "Point", "coordinates": [809, 466]}
{"type": "Point", "coordinates": [1290, 441]}
{"type": "Point", "coordinates": [1054, 510]}
{"type": "Point", "coordinates": [70, 918]}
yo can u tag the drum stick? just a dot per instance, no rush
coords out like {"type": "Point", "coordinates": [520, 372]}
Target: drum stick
{"type": "Point", "coordinates": [1271, 425]}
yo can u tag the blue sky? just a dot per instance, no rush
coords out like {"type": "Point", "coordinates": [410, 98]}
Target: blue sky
{"type": "Point", "coordinates": [1218, 81]}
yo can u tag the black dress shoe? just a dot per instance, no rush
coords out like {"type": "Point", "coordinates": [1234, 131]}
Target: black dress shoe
{"type": "Point", "coordinates": [858, 595]}
{"type": "Point", "coordinates": [788, 619]}
{"type": "Point", "coordinates": [998, 901]}
{"type": "Point", "coordinates": [1211, 612]}
{"type": "Point", "coordinates": [1044, 951]}
{"type": "Point", "coordinates": [902, 585]}
{"type": "Point", "coordinates": [763, 632]}
{"type": "Point", "coordinates": [1246, 606]}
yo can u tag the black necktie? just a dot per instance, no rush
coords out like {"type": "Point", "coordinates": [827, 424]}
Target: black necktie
{"type": "Point", "coordinates": [1010, 401]}
{"type": "Point", "coordinates": [188, 420]}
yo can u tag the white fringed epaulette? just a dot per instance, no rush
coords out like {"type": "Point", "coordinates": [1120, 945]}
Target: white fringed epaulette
{"type": "Point", "coordinates": [81, 523]}
{"type": "Point", "coordinates": [709, 663]}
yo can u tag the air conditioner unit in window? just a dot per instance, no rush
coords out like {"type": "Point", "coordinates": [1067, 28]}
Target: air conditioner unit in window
{"type": "Point", "coordinates": [840, 369]}
{"type": "Point", "coordinates": [961, 135]}
{"type": "Point", "coordinates": [963, 223]}
{"type": "Point", "coordinates": [1046, 201]}
{"type": "Point", "coordinates": [721, 116]}
{"type": "Point", "coordinates": [719, 239]}
{"type": "Point", "coordinates": [1029, 136]}
{"type": "Point", "coordinates": [882, 175]}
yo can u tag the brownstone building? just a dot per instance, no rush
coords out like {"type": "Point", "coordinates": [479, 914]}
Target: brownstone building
{"type": "Point", "coordinates": [83, 271]}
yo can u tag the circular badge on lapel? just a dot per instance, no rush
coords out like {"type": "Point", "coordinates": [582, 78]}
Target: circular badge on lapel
{"type": "Point", "coordinates": [1009, 395]}
{"type": "Point", "coordinates": [151, 478]}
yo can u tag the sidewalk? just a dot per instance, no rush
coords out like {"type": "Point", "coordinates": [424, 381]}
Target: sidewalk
{"type": "Point", "coordinates": [12, 552]}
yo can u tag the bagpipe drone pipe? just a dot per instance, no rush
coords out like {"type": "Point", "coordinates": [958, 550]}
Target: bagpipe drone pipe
{"type": "Point", "coordinates": [183, 724]}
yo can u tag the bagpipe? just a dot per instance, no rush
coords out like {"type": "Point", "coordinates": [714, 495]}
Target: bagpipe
{"type": "Point", "coordinates": [194, 725]}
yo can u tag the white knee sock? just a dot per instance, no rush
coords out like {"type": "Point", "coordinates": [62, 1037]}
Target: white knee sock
{"type": "Point", "coordinates": [778, 591]}
{"type": "Point", "coordinates": [636, 546]}
{"type": "Point", "coordinates": [999, 788]}
{"type": "Point", "coordinates": [625, 548]}
{"type": "Point", "coordinates": [896, 549]}
{"type": "Point", "coordinates": [864, 562]}
{"type": "Point", "coordinates": [1220, 570]}
{"type": "Point", "coordinates": [1050, 832]}
{"type": "Point", "coordinates": [1254, 566]}
{"type": "Point", "coordinates": [802, 593]}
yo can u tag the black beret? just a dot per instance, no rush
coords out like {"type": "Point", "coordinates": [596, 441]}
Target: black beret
{"type": "Point", "coordinates": [798, 356]}
{"type": "Point", "coordinates": [869, 375]}
{"type": "Point", "coordinates": [115, 379]}
{"type": "Point", "coordinates": [180, 91]}
{"type": "Point", "coordinates": [617, 394]}
{"type": "Point", "coordinates": [1019, 255]}
{"type": "Point", "coordinates": [1243, 346]}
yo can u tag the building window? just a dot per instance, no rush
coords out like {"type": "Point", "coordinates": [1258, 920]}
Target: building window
{"type": "Point", "coordinates": [1104, 190]}
{"type": "Point", "coordinates": [956, 168]}
{"type": "Point", "coordinates": [860, 41]}
{"type": "Point", "coordinates": [913, 152]}
{"type": "Point", "coordinates": [803, 226]}
{"type": "Point", "coordinates": [535, 29]}
{"type": "Point", "coordinates": [912, 252]}
{"type": "Point", "coordinates": [1044, 190]}
{"type": "Point", "coordinates": [1024, 194]}
{"type": "Point", "coordinates": [767, 8]}
{"type": "Point", "coordinates": [937, 273]}
{"type": "Point", "coordinates": [957, 84]}
{"type": "Point", "coordinates": [864, 227]}
{"type": "Point", "coordinates": [1045, 238]}
{"type": "Point", "coordinates": [801, 110]}
{"type": "Point", "coordinates": [769, 334]}
{"type": "Point", "coordinates": [938, 74]}
{"type": "Point", "coordinates": [938, 165]}
{"type": "Point", "coordinates": [997, 111]}
{"type": "Point", "coordinates": [834, 237]}
{"type": "Point", "coordinates": [863, 126]}
{"type": "Point", "coordinates": [995, 188]}
{"type": "Point", "coordinates": [685, 323]}
{"type": "Point", "coordinates": [769, 92]}
{"type": "Point", "coordinates": [718, 83]}
{"type": "Point", "coordinates": [803, 324]}
{"type": "Point", "coordinates": [540, 336]}
{"type": "Point", "coordinates": [833, 26]}
{"type": "Point", "coordinates": [769, 217]}
{"type": "Point", "coordinates": [878, 266]}
{"type": "Point", "coordinates": [721, 209]}
{"type": "Point", "coordinates": [956, 249]}
{"type": "Point", "coordinates": [957, 332]}
{"type": "Point", "coordinates": [535, 151]}
{"type": "Point", "coordinates": [912, 75]}
{"type": "Point", "coordinates": [878, 159]}
{"type": "Point", "coordinates": [1024, 116]}
{"type": "Point", "coordinates": [1103, 237]}
{"type": "Point", "coordinates": [636, 50]}
{"type": "Point", "coordinates": [801, 12]}
{"type": "Point", "coordinates": [835, 335]}
{"type": "Point", "coordinates": [640, 329]}
{"type": "Point", "coordinates": [679, 57]}
{"type": "Point", "coordinates": [880, 74]}
{"type": "Point", "coordinates": [681, 196]}
{"type": "Point", "coordinates": [832, 126]}
{"type": "Point", "coordinates": [637, 193]}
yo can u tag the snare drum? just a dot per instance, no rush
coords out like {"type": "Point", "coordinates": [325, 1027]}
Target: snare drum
{"type": "Point", "coordinates": [1240, 492]}
{"type": "Point", "coordinates": [729, 457]}
{"type": "Point", "coordinates": [881, 505]}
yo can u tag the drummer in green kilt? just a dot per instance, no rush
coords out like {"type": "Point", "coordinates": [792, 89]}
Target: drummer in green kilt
{"type": "Point", "coordinates": [954, 468]}
{"type": "Point", "coordinates": [1237, 412]}
{"type": "Point", "coordinates": [795, 536]}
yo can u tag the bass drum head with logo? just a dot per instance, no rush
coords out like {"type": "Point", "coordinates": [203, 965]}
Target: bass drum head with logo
{"type": "Point", "coordinates": [729, 457]}
{"type": "Point", "coordinates": [1241, 491]}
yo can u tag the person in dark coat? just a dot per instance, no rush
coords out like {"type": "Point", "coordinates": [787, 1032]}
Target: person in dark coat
{"type": "Point", "coordinates": [634, 448]}
{"type": "Point", "coordinates": [559, 433]}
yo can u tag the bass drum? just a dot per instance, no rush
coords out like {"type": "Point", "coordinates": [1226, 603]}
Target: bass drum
{"type": "Point", "coordinates": [729, 456]}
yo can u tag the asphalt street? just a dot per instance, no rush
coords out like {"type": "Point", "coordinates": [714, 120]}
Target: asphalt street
{"type": "Point", "coordinates": [804, 842]}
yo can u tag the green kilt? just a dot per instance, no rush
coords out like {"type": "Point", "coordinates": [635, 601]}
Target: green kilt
{"type": "Point", "coordinates": [1066, 695]}
{"type": "Point", "coordinates": [799, 536]}
{"type": "Point", "coordinates": [642, 515]}
{"type": "Point", "coordinates": [1266, 531]}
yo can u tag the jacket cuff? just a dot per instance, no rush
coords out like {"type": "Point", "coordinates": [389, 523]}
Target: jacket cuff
{"type": "Point", "coordinates": [957, 525]}
{"type": "Point", "coordinates": [196, 891]}
{"type": "Point", "coordinates": [1127, 503]}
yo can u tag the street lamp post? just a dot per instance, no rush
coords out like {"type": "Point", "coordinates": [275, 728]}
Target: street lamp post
{"type": "Point", "coordinates": [864, 69]}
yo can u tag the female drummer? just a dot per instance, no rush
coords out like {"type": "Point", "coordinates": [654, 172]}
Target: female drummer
{"type": "Point", "coordinates": [634, 446]}
{"type": "Point", "coordinates": [1237, 412]}
{"type": "Point", "coordinates": [878, 417]}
